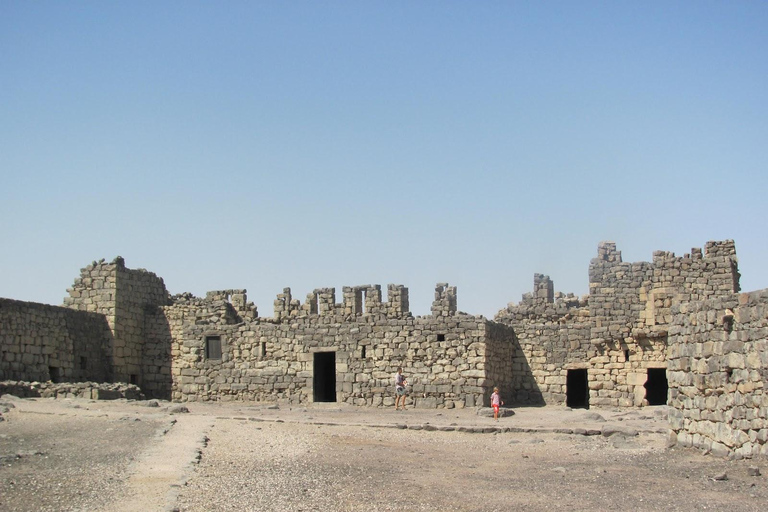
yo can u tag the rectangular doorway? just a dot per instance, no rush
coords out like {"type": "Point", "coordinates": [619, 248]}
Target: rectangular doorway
{"type": "Point", "coordinates": [656, 386]}
{"type": "Point", "coordinates": [324, 377]}
{"type": "Point", "coordinates": [577, 389]}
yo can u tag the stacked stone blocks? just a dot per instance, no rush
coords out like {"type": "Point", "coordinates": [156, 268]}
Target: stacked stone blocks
{"type": "Point", "coordinates": [446, 357]}
{"type": "Point", "coordinates": [127, 299]}
{"type": "Point", "coordinates": [39, 342]}
{"type": "Point", "coordinates": [619, 331]}
{"type": "Point", "coordinates": [718, 375]}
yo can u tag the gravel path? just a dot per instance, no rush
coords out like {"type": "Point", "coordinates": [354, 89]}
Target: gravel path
{"type": "Point", "coordinates": [99, 456]}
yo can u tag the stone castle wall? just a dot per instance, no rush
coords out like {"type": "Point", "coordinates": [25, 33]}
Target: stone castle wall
{"type": "Point", "coordinates": [445, 356]}
{"type": "Point", "coordinates": [127, 299]}
{"type": "Point", "coordinates": [619, 331]}
{"type": "Point", "coordinates": [631, 301]}
{"type": "Point", "coordinates": [41, 343]}
{"type": "Point", "coordinates": [501, 354]}
{"type": "Point", "coordinates": [718, 374]}
{"type": "Point", "coordinates": [552, 334]}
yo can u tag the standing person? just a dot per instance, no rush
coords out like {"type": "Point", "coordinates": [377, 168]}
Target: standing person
{"type": "Point", "coordinates": [400, 384]}
{"type": "Point", "coordinates": [495, 403]}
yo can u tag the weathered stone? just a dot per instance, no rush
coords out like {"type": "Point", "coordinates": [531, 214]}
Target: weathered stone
{"type": "Point", "coordinates": [613, 430]}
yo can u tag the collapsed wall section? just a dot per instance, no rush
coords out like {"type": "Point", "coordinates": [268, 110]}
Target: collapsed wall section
{"type": "Point", "coordinates": [718, 375]}
{"type": "Point", "coordinates": [40, 343]}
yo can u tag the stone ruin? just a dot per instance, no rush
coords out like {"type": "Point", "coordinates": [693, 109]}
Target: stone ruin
{"type": "Point", "coordinates": [672, 331]}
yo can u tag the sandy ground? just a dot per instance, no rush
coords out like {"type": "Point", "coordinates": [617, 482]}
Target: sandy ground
{"type": "Point", "coordinates": [67, 455]}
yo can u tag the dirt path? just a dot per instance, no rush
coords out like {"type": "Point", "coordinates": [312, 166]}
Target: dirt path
{"type": "Point", "coordinates": [163, 468]}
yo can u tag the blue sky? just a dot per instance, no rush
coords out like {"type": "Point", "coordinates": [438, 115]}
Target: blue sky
{"type": "Point", "coordinates": [264, 145]}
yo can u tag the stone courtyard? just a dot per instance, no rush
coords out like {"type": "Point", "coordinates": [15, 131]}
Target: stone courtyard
{"type": "Point", "coordinates": [120, 455]}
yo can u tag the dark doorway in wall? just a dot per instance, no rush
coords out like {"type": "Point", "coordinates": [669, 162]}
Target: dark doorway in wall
{"type": "Point", "coordinates": [577, 389]}
{"type": "Point", "coordinates": [324, 377]}
{"type": "Point", "coordinates": [54, 374]}
{"type": "Point", "coordinates": [656, 387]}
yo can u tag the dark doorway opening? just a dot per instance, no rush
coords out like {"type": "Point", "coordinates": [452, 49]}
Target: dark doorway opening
{"type": "Point", "coordinates": [577, 389]}
{"type": "Point", "coordinates": [324, 377]}
{"type": "Point", "coordinates": [656, 387]}
{"type": "Point", "coordinates": [54, 373]}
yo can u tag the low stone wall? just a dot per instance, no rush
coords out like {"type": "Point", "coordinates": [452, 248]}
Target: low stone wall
{"type": "Point", "coordinates": [718, 375]}
{"type": "Point", "coordinates": [41, 342]}
{"type": "Point", "coordinates": [90, 390]}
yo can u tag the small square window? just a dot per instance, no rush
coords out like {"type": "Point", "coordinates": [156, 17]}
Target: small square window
{"type": "Point", "coordinates": [441, 337]}
{"type": "Point", "coordinates": [213, 347]}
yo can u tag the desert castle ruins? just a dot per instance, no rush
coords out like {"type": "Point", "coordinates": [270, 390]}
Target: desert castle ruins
{"type": "Point", "coordinates": [672, 331]}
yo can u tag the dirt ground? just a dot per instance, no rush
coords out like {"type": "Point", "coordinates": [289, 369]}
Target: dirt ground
{"type": "Point", "coordinates": [84, 455]}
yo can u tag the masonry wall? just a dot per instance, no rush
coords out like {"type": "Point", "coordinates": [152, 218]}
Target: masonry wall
{"type": "Point", "coordinates": [630, 309]}
{"type": "Point", "coordinates": [128, 300]}
{"type": "Point", "coordinates": [444, 356]}
{"type": "Point", "coordinates": [156, 362]}
{"type": "Point", "coordinates": [40, 343]}
{"type": "Point", "coordinates": [139, 294]}
{"type": "Point", "coordinates": [718, 374]}
{"type": "Point", "coordinates": [552, 333]}
{"type": "Point", "coordinates": [630, 301]}
{"type": "Point", "coordinates": [619, 331]}
{"type": "Point", "coordinates": [501, 351]}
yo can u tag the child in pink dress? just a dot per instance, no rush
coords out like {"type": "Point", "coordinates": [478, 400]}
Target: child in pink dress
{"type": "Point", "coordinates": [495, 403]}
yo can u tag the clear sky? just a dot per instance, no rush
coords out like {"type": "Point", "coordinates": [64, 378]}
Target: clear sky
{"type": "Point", "coordinates": [264, 145]}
